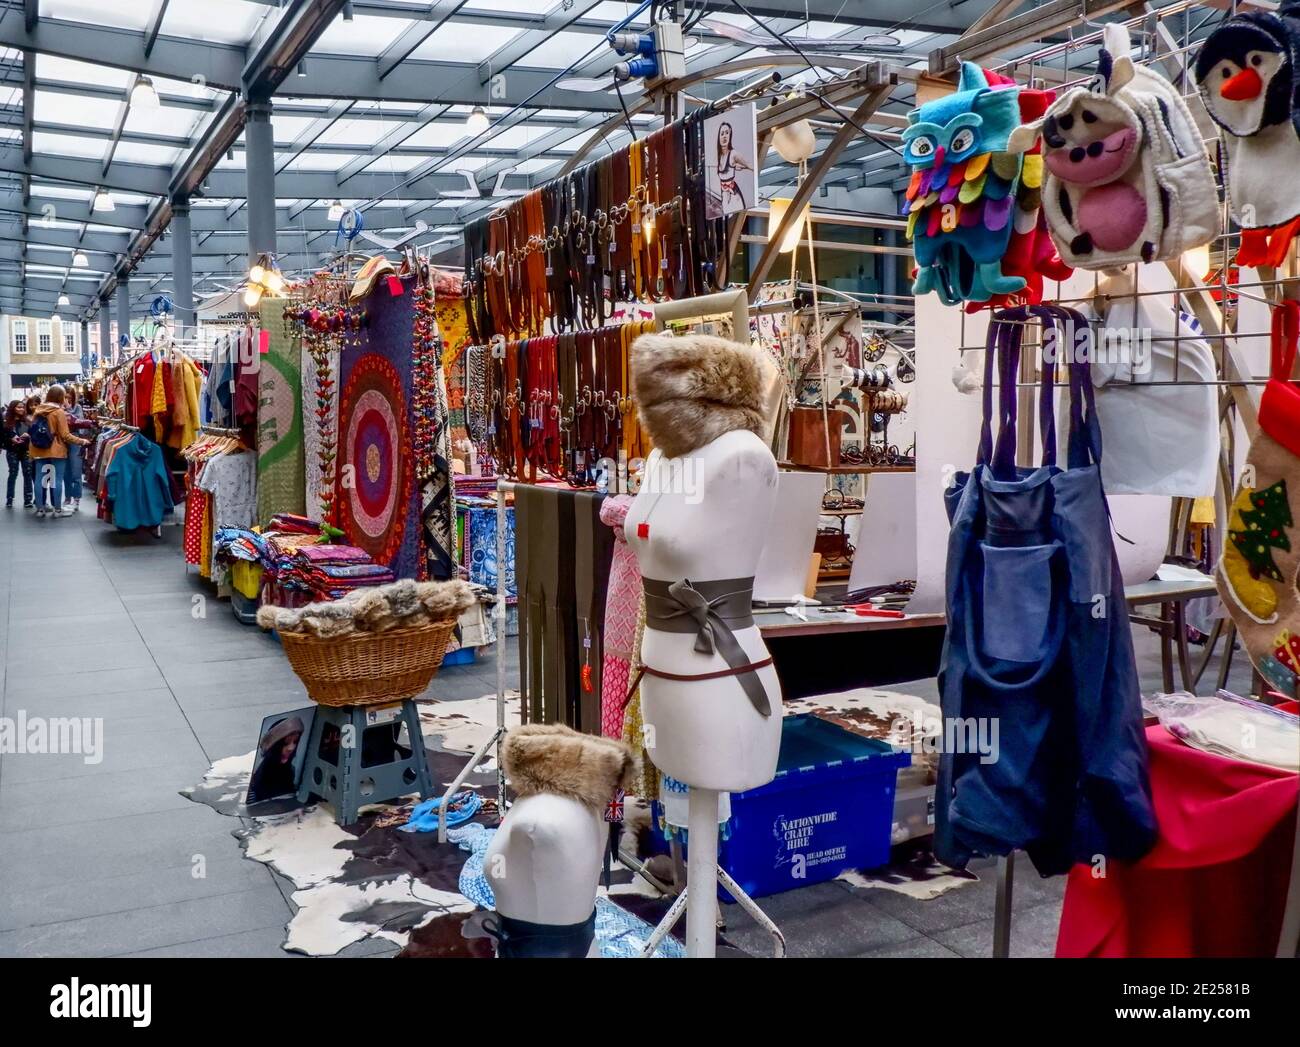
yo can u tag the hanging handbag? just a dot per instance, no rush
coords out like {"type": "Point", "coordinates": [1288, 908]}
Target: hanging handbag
{"type": "Point", "coordinates": [1038, 658]}
{"type": "Point", "coordinates": [1257, 571]}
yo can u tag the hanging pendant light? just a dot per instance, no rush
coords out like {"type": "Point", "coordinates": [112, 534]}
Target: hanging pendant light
{"type": "Point", "coordinates": [143, 94]}
{"type": "Point", "coordinates": [336, 210]}
{"type": "Point", "coordinates": [63, 299]}
{"type": "Point", "coordinates": [80, 261]}
{"type": "Point", "coordinates": [477, 122]}
{"type": "Point", "coordinates": [776, 212]}
{"type": "Point", "coordinates": [103, 201]}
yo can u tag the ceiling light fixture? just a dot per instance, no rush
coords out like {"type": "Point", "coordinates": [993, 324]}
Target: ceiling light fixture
{"type": "Point", "coordinates": [477, 122]}
{"type": "Point", "coordinates": [336, 210]}
{"type": "Point", "coordinates": [103, 201]}
{"type": "Point", "coordinates": [143, 94]}
{"type": "Point", "coordinates": [63, 299]}
{"type": "Point", "coordinates": [80, 261]}
{"type": "Point", "coordinates": [302, 67]}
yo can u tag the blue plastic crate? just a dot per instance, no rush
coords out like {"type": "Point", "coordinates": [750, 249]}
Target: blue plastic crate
{"type": "Point", "coordinates": [829, 808]}
{"type": "Point", "coordinates": [461, 656]}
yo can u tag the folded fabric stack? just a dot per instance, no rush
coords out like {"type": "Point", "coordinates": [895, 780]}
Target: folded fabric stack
{"type": "Point", "coordinates": [400, 605]}
{"type": "Point", "coordinates": [239, 543]}
{"type": "Point", "coordinates": [292, 523]}
{"type": "Point", "coordinates": [329, 572]}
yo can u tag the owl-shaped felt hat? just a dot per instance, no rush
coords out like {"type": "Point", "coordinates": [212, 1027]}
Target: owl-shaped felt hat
{"type": "Point", "coordinates": [960, 201]}
{"type": "Point", "coordinates": [1246, 71]}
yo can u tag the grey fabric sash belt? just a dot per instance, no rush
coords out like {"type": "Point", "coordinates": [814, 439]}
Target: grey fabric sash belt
{"type": "Point", "coordinates": [712, 611]}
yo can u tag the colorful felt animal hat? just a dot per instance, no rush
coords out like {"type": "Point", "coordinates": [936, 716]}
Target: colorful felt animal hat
{"type": "Point", "coordinates": [1246, 71]}
{"type": "Point", "coordinates": [1128, 179]}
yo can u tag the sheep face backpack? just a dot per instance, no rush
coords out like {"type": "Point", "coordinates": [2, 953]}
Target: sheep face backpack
{"type": "Point", "coordinates": [1127, 178]}
{"type": "Point", "coordinates": [1257, 574]}
{"type": "Point", "coordinates": [1246, 73]}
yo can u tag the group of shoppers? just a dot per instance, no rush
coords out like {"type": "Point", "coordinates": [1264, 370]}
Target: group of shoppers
{"type": "Point", "coordinates": [42, 446]}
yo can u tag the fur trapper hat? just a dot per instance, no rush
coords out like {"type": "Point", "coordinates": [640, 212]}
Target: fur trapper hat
{"type": "Point", "coordinates": [552, 758]}
{"type": "Point", "coordinates": [691, 389]}
{"type": "Point", "coordinates": [400, 605]}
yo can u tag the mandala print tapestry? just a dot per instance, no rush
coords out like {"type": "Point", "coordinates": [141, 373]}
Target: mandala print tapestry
{"type": "Point", "coordinates": [281, 475]}
{"type": "Point", "coordinates": [378, 502]}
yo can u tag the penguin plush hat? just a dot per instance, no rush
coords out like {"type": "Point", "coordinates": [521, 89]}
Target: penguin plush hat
{"type": "Point", "coordinates": [1246, 71]}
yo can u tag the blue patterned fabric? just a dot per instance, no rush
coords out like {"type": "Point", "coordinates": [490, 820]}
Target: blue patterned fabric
{"type": "Point", "coordinates": [620, 934]}
{"type": "Point", "coordinates": [481, 554]}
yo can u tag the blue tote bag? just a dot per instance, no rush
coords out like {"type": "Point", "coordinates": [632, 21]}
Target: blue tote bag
{"type": "Point", "coordinates": [1038, 659]}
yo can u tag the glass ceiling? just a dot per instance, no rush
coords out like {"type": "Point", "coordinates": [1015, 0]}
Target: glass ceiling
{"type": "Point", "coordinates": [374, 115]}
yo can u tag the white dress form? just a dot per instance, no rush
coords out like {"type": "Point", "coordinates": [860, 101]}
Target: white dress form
{"type": "Point", "coordinates": [702, 517]}
{"type": "Point", "coordinates": [544, 863]}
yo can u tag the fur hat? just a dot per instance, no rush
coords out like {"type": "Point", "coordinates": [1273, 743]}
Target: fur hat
{"type": "Point", "coordinates": [398, 605]}
{"type": "Point", "coordinates": [552, 758]}
{"type": "Point", "coordinates": [690, 390]}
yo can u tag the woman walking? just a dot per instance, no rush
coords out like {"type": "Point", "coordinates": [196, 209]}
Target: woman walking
{"type": "Point", "coordinates": [50, 437]}
{"type": "Point", "coordinates": [13, 435]}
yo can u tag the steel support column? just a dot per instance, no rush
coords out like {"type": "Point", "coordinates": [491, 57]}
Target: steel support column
{"type": "Point", "coordinates": [182, 267]}
{"type": "Point", "coordinates": [85, 347]}
{"type": "Point", "coordinates": [259, 141]}
{"type": "Point", "coordinates": [123, 305]}
{"type": "Point", "coordinates": [105, 334]}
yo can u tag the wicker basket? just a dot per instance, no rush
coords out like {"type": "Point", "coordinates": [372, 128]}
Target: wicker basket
{"type": "Point", "coordinates": [368, 668]}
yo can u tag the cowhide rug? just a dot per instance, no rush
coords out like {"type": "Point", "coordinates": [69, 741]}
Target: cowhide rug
{"type": "Point", "coordinates": [370, 880]}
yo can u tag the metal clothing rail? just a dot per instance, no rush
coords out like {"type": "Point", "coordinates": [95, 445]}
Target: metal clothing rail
{"type": "Point", "coordinates": [498, 734]}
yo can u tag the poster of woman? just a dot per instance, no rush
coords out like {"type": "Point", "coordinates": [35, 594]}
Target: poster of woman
{"type": "Point", "coordinates": [730, 149]}
{"type": "Point", "coordinates": [279, 756]}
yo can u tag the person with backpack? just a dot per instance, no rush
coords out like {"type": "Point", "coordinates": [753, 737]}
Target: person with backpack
{"type": "Point", "coordinates": [13, 437]}
{"type": "Point", "coordinates": [80, 425]}
{"type": "Point", "coordinates": [50, 437]}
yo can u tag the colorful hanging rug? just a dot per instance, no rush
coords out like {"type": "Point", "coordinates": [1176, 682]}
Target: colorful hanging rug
{"type": "Point", "coordinates": [320, 415]}
{"type": "Point", "coordinates": [377, 497]}
{"type": "Point", "coordinates": [281, 468]}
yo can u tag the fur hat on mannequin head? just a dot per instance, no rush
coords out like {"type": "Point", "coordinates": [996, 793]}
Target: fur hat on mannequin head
{"type": "Point", "coordinates": [692, 389]}
{"type": "Point", "coordinates": [552, 758]}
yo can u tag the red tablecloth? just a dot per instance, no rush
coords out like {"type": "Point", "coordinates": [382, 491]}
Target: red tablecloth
{"type": "Point", "coordinates": [1214, 884]}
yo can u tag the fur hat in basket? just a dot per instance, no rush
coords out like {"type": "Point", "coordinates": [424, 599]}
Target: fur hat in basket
{"type": "Point", "coordinates": [692, 389]}
{"type": "Point", "coordinates": [400, 605]}
{"type": "Point", "coordinates": [552, 758]}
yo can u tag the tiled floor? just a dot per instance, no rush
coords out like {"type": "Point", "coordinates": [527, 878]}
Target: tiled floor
{"type": "Point", "coordinates": [107, 858]}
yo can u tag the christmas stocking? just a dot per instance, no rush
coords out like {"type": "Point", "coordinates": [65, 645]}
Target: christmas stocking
{"type": "Point", "coordinates": [1257, 574]}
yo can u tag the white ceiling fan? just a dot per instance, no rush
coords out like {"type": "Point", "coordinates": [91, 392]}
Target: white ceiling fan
{"type": "Point", "coordinates": [874, 42]}
{"type": "Point", "coordinates": [402, 239]}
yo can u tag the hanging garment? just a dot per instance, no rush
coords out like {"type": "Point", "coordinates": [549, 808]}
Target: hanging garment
{"type": "Point", "coordinates": [1257, 573]}
{"type": "Point", "coordinates": [1038, 646]}
{"type": "Point", "coordinates": [138, 485]}
{"type": "Point", "coordinates": [281, 472]}
{"type": "Point", "coordinates": [1161, 439]}
{"type": "Point", "coordinates": [621, 602]}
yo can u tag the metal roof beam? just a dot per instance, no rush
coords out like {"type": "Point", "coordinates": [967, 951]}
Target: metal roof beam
{"type": "Point", "coordinates": [220, 65]}
{"type": "Point", "coordinates": [415, 34]}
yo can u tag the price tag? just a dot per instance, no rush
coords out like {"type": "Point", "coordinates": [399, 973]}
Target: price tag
{"type": "Point", "coordinates": [591, 259]}
{"type": "Point", "coordinates": [613, 246]}
{"type": "Point", "coordinates": [550, 271]}
{"type": "Point", "coordinates": [636, 228]}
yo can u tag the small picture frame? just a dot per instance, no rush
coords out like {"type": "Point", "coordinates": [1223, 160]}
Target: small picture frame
{"type": "Point", "coordinates": [279, 756]}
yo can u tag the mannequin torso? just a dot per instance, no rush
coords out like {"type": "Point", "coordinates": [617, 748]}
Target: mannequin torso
{"type": "Point", "coordinates": [702, 517]}
{"type": "Point", "coordinates": [544, 863]}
